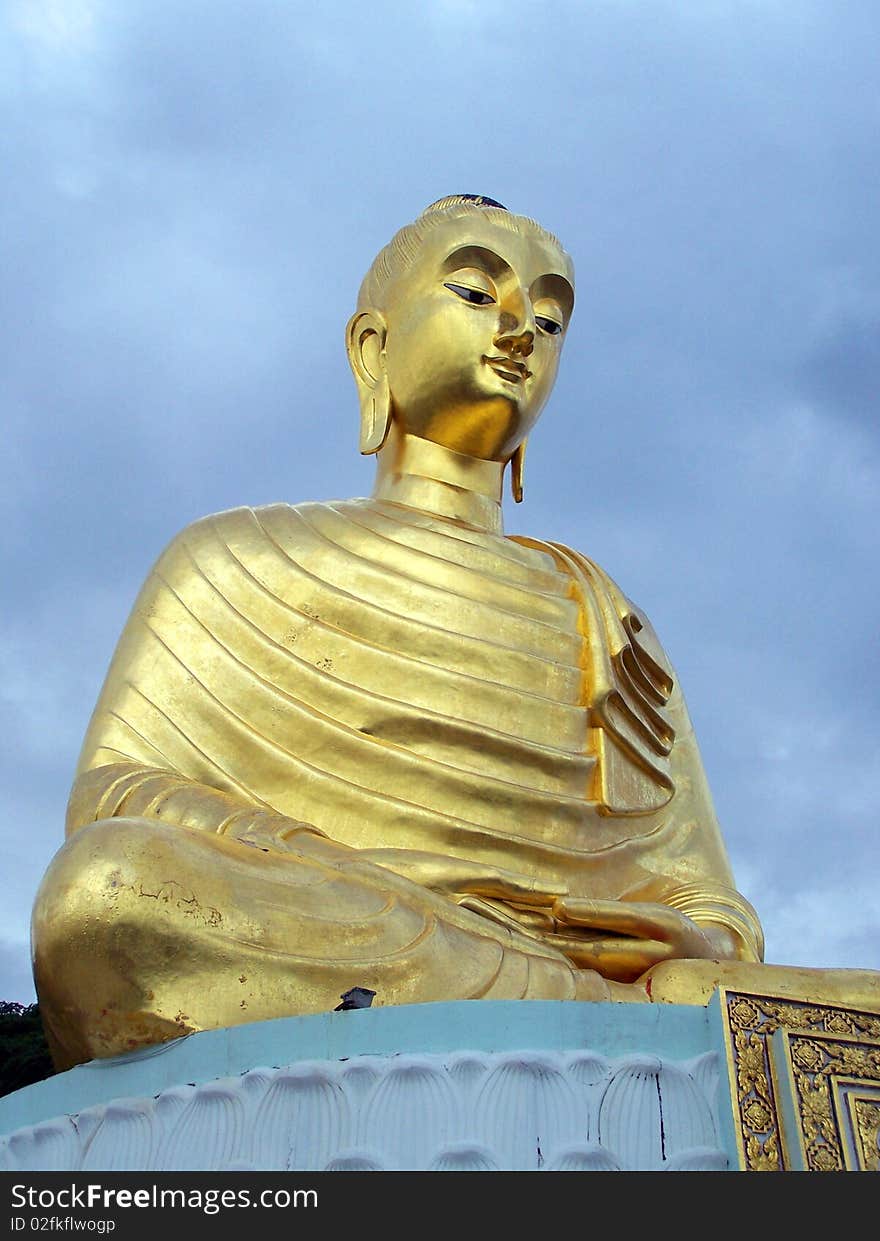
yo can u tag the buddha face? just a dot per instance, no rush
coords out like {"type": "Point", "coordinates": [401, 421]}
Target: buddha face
{"type": "Point", "coordinates": [474, 332]}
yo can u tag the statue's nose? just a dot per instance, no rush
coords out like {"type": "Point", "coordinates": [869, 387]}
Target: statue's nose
{"type": "Point", "coordinates": [519, 344]}
{"type": "Point", "coordinates": [516, 332]}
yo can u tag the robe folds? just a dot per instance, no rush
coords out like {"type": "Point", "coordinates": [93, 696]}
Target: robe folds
{"type": "Point", "coordinates": [402, 681]}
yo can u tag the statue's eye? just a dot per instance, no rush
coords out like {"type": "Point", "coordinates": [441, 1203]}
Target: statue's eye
{"type": "Point", "coordinates": [476, 297]}
{"type": "Point", "coordinates": [550, 326]}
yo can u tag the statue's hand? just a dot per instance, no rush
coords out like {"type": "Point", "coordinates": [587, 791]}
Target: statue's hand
{"type": "Point", "coordinates": [273, 833]}
{"type": "Point", "coordinates": [623, 939]}
{"type": "Point", "coordinates": [460, 880]}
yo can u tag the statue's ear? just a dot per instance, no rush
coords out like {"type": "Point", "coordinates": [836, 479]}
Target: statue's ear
{"type": "Point", "coordinates": [365, 342]}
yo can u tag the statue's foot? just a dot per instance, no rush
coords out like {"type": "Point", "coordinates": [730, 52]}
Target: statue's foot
{"type": "Point", "coordinates": [592, 986]}
{"type": "Point", "coordinates": [694, 982]}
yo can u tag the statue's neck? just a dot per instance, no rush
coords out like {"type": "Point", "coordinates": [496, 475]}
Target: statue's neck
{"type": "Point", "coordinates": [427, 476]}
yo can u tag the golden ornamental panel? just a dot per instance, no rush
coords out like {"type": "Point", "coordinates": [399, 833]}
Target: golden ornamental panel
{"type": "Point", "coordinates": [867, 1127]}
{"type": "Point", "coordinates": [805, 1083]}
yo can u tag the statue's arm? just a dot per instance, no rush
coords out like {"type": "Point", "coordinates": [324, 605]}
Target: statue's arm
{"type": "Point", "coordinates": [682, 901]}
{"type": "Point", "coordinates": [698, 883]}
{"type": "Point", "coordinates": [133, 790]}
{"type": "Point", "coordinates": [672, 881]}
{"type": "Point", "coordinates": [146, 751]}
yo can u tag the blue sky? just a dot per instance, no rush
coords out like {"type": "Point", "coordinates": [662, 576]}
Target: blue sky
{"type": "Point", "coordinates": [192, 192]}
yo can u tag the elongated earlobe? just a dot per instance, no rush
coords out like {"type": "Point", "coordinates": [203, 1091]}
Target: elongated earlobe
{"type": "Point", "coordinates": [375, 416]}
{"type": "Point", "coordinates": [365, 343]}
{"type": "Point", "coordinates": [516, 472]}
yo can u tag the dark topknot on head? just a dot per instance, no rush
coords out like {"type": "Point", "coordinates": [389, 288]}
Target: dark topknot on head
{"type": "Point", "coordinates": [479, 200]}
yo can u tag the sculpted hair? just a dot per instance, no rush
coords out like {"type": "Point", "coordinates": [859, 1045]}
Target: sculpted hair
{"type": "Point", "coordinates": [403, 247]}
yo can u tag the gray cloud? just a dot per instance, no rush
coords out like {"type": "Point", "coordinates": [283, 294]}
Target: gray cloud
{"type": "Point", "coordinates": [842, 373]}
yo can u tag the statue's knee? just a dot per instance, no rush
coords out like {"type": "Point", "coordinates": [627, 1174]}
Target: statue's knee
{"type": "Point", "coordinates": [79, 913]}
{"type": "Point", "coordinates": [83, 869]}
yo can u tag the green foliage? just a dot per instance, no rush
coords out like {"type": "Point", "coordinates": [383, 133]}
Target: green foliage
{"type": "Point", "coordinates": [24, 1054]}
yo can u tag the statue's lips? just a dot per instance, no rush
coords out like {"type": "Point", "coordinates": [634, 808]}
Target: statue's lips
{"type": "Point", "coordinates": [515, 372]}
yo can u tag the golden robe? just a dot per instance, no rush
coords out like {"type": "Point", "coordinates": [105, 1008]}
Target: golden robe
{"type": "Point", "coordinates": [400, 682]}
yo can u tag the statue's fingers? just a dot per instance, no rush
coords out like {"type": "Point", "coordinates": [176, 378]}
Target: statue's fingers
{"type": "Point", "coordinates": [625, 917]}
{"type": "Point", "coordinates": [495, 913]}
{"type": "Point", "coordinates": [525, 889]}
{"type": "Point", "coordinates": [614, 958]}
{"type": "Point", "coordinates": [455, 876]}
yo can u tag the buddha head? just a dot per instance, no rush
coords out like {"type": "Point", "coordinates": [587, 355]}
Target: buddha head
{"type": "Point", "coordinates": [459, 329]}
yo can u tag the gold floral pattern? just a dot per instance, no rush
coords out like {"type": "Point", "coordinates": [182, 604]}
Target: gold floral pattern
{"type": "Point", "coordinates": [818, 1062]}
{"type": "Point", "coordinates": [823, 1160]}
{"type": "Point", "coordinates": [807, 1056]}
{"type": "Point", "coordinates": [868, 1127]}
{"type": "Point", "coordinates": [762, 1157]}
{"type": "Point", "coordinates": [743, 1014]}
{"type": "Point", "coordinates": [826, 1044]}
{"type": "Point", "coordinates": [758, 1116]}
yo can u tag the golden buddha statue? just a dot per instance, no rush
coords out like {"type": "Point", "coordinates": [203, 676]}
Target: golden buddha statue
{"type": "Point", "coordinates": [377, 743]}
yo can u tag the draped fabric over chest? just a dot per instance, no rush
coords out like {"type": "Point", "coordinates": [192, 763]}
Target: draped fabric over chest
{"type": "Point", "coordinates": [405, 681]}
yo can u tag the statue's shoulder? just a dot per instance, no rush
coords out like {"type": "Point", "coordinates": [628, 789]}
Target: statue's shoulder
{"type": "Point", "coordinates": [625, 623]}
{"type": "Point", "coordinates": [596, 574]}
{"type": "Point", "coordinates": [243, 533]}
